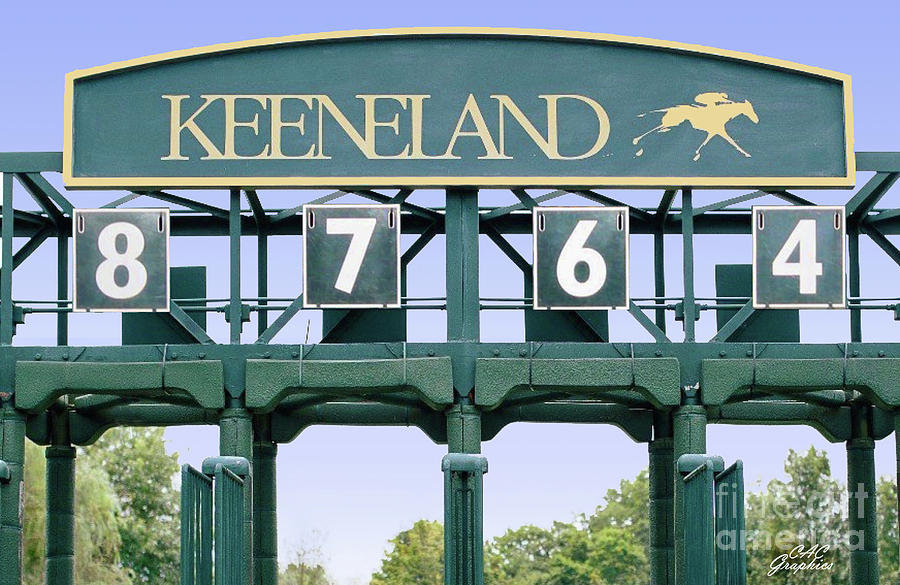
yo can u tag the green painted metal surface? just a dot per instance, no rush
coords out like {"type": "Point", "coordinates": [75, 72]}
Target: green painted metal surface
{"type": "Point", "coordinates": [60, 506]}
{"type": "Point", "coordinates": [269, 381]}
{"type": "Point", "coordinates": [608, 98]}
{"type": "Point", "coordinates": [186, 282]}
{"type": "Point", "coordinates": [463, 513]}
{"type": "Point", "coordinates": [228, 533]}
{"type": "Point", "coordinates": [735, 280]}
{"type": "Point", "coordinates": [699, 535]}
{"type": "Point", "coordinates": [196, 527]}
{"type": "Point", "coordinates": [730, 526]}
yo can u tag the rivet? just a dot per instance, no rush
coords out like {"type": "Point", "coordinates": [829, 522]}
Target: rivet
{"type": "Point", "coordinates": [37, 357]}
{"type": "Point", "coordinates": [295, 354]}
{"type": "Point", "coordinates": [174, 356]}
{"type": "Point", "coordinates": [658, 353]}
{"type": "Point", "coordinates": [201, 356]}
{"type": "Point", "coordinates": [722, 354]}
{"type": "Point", "coordinates": [523, 353]}
{"type": "Point", "coordinates": [267, 355]}
{"type": "Point", "coordinates": [749, 353]}
{"type": "Point", "coordinates": [431, 353]}
{"type": "Point", "coordinates": [65, 356]}
{"type": "Point", "coordinates": [855, 353]}
{"type": "Point", "coordinates": [881, 354]}
{"type": "Point", "coordinates": [496, 352]}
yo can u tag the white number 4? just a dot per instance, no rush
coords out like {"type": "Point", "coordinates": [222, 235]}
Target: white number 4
{"type": "Point", "coordinates": [804, 238]}
{"type": "Point", "coordinates": [361, 229]}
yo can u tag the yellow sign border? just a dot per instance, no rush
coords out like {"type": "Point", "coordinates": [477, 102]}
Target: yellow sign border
{"type": "Point", "coordinates": [846, 181]}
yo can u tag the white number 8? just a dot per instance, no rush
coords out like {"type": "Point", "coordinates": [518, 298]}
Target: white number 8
{"type": "Point", "coordinates": [134, 246]}
{"type": "Point", "coordinates": [574, 252]}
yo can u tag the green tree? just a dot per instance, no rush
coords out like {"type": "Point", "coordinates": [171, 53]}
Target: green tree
{"type": "Point", "coordinates": [888, 538]}
{"type": "Point", "coordinates": [141, 474]}
{"type": "Point", "coordinates": [303, 574]}
{"type": "Point", "coordinates": [806, 510]}
{"type": "Point", "coordinates": [97, 540]}
{"type": "Point", "coordinates": [519, 557]}
{"type": "Point", "coordinates": [417, 557]}
{"type": "Point", "coordinates": [628, 508]}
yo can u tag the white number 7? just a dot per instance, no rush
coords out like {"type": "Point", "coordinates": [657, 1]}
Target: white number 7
{"type": "Point", "coordinates": [804, 238]}
{"type": "Point", "coordinates": [361, 228]}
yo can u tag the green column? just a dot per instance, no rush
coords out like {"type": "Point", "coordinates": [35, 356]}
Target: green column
{"type": "Point", "coordinates": [265, 530]}
{"type": "Point", "coordinates": [689, 436]}
{"type": "Point", "coordinates": [60, 515]}
{"type": "Point", "coordinates": [662, 502]}
{"type": "Point", "coordinates": [463, 513]}
{"type": "Point", "coordinates": [12, 451]}
{"type": "Point", "coordinates": [236, 438]}
{"type": "Point", "coordinates": [862, 502]}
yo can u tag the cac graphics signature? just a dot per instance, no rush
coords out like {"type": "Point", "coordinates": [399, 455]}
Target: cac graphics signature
{"type": "Point", "coordinates": [802, 559]}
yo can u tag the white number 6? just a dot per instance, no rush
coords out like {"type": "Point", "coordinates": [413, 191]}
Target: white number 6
{"type": "Point", "coordinates": [574, 252]}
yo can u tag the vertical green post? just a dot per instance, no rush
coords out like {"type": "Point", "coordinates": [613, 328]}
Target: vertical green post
{"type": "Point", "coordinates": [853, 277]}
{"type": "Point", "coordinates": [6, 255]}
{"type": "Point", "coordinates": [659, 273]}
{"type": "Point", "coordinates": [662, 495]}
{"type": "Point", "coordinates": [62, 286]}
{"type": "Point", "coordinates": [265, 531]}
{"type": "Point", "coordinates": [463, 518]}
{"type": "Point", "coordinates": [234, 240]}
{"type": "Point", "coordinates": [862, 501]}
{"type": "Point", "coordinates": [689, 437]}
{"type": "Point", "coordinates": [461, 226]}
{"type": "Point", "coordinates": [12, 451]}
{"type": "Point", "coordinates": [60, 515]}
{"type": "Point", "coordinates": [236, 439]}
{"type": "Point", "coordinates": [687, 233]}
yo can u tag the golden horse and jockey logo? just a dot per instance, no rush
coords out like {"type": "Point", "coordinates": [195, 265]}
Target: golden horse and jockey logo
{"type": "Point", "coordinates": [710, 113]}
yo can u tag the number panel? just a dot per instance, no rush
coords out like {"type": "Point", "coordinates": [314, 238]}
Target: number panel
{"type": "Point", "coordinates": [572, 271]}
{"type": "Point", "coordinates": [120, 260]}
{"type": "Point", "coordinates": [798, 257]}
{"type": "Point", "coordinates": [351, 256]}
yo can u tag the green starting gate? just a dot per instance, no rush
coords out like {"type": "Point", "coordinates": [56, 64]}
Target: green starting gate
{"type": "Point", "coordinates": [713, 528]}
{"type": "Point", "coordinates": [212, 522]}
{"type": "Point", "coordinates": [496, 124]}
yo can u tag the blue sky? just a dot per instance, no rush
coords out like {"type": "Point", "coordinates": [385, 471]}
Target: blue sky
{"type": "Point", "coordinates": [348, 490]}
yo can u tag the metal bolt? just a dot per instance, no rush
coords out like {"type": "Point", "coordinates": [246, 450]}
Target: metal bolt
{"type": "Point", "coordinates": [855, 353]}
{"type": "Point", "coordinates": [267, 355]}
{"type": "Point", "coordinates": [430, 353]}
{"type": "Point", "coordinates": [881, 354]}
{"type": "Point", "coordinates": [496, 352]}
{"type": "Point", "coordinates": [174, 356]}
{"type": "Point", "coordinates": [722, 354]}
{"type": "Point", "coordinates": [749, 353]}
{"type": "Point", "coordinates": [295, 354]}
{"type": "Point", "coordinates": [658, 353]}
{"type": "Point", "coordinates": [65, 356]}
{"type": "Point", "coordinates": [37, 357]}
{"type": "Point", "coordinates": [201, 356]}
{"type": "Point", "coordinates": [523, 353]}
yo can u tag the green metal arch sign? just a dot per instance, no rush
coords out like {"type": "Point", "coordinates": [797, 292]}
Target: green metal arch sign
{"type": "Point", "coordinates": [457, 107]}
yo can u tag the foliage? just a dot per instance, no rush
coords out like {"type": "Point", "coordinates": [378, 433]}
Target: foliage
{"type": "Point", "coordinates": [417, 557]}
{"type": "Point", "coordinates": [141, 474]}
{"type": "Point", "coordinates": [97, 540]}
{"type": "Point", "coordinates": [888, 537]}
{"type": "Point", "coordinates": [806, 510]}
{"type": "Point", "coordinates": [303, 574]}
